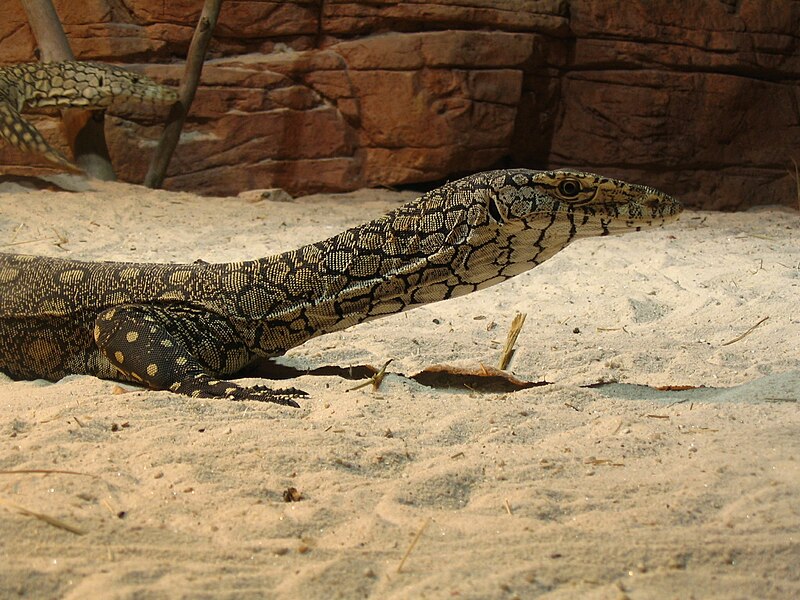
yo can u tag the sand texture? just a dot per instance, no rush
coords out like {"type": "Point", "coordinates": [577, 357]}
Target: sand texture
{"type": "Point", "coordinates": [562, 490]}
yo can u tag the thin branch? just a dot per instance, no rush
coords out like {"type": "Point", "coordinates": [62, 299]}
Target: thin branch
{"type": "Point", "coordinates": [42, 517]}
{"type": "Point", "coordinates": [84, 130]}
{"type": "Point", "coordinates": [745, 334]}
{"type": "Point", "coordinates": [191, 78]}
{"type": "Point", "coordinates": [413, 544]}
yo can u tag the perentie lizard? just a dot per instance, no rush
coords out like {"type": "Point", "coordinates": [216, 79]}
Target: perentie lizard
{"type": "Point", "coordinates": [68, 84]}
{"type": "Point", "coordinates": [186, 327]}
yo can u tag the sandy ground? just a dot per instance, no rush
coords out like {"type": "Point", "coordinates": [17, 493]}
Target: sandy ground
{"type": "Point", "coordinates": [558, 491]}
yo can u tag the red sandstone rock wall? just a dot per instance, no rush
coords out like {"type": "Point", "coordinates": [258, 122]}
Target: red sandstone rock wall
{"type": "Point", "coordinates": [698, 98]}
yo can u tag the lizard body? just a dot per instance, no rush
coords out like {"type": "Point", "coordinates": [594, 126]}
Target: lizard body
{"type": "Point", "coordinates": [187, 327]}
{"type": "Point", "coordinates": [68, 84]}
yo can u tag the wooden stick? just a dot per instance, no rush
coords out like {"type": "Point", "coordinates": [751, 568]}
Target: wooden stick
{"type": "Point", "coordinates": [84, 131]}
{"type": "Point", "coordinates": [191, 78]}
{"type": "Point", "coordinates": [413, 543]}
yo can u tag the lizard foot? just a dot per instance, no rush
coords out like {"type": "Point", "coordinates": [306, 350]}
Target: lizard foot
{"type": "Point", "coordinates": [204, 386]}
{"type": "Point", "coordinates": [137, 341]}
{"type": "Point", "coordinates": [262, 393]}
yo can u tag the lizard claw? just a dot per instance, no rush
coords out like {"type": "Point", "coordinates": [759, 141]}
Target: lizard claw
{"type": "Point", "coordinates": [262, 393]}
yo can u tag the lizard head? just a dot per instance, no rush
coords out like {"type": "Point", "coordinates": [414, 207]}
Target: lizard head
{"type": "Point", "coordinates": [465, 236]}
{"type": "Point", "coordinates": [125, 86]}
{"type": "Point", "coordinates": [506, 222]}
{"type": "Point", "coordinates": [577, 203]}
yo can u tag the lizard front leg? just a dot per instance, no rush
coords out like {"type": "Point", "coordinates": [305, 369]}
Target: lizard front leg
{"type": "Point", "coordinates": [20, 133]}
{"type": "Point", "coordinates": [178, 348]}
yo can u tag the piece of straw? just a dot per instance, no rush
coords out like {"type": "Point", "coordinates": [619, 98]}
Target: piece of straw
{"type": "Point", "coordinates": [42, 517]}
{"type": "Point", "coordinates": [513, 334]}
{"type": "Point", "coordinates": [413, 543]}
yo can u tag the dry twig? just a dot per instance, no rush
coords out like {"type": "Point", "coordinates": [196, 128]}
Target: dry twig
{"type": "Point", "coordinates": [413, 544]}
{"type": "Point", "coordinates": [46, 472]}
{"type": "Point", "coordinates": [511, 339]}
{"type": "Point", "coordinates": [508, 507]}
{"type": "Point", "coordinates": [375, 380]}
{"type": "Point", "coordinates": [745, 334]}
{"type": "Point", "coordinates": [42, 517]}
{"type": "Point", "coordinates": [84, 131]}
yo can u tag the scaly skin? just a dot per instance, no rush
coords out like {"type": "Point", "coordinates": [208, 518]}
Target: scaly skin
{"type": "Point", "coordinates": [68, 84]}
{"type": "Point", "coordinates": [183, 327]}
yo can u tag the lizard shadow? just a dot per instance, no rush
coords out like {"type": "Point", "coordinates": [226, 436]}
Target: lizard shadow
{"type": "Point", "coordinates": [782, 387]}
{"type": "Point", "coordinates": [439, 379]}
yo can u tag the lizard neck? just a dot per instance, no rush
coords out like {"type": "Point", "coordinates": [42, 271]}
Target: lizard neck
{"type": "Point", "coordinates": [435, 248]}
{"type": "Point", "coordinates": [367, 271]}
{"type": "Point", "coordinates": [401, 260]}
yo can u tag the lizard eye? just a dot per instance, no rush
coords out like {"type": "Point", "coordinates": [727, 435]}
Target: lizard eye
{"type": "Point", "coordinates": [569, 188]}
